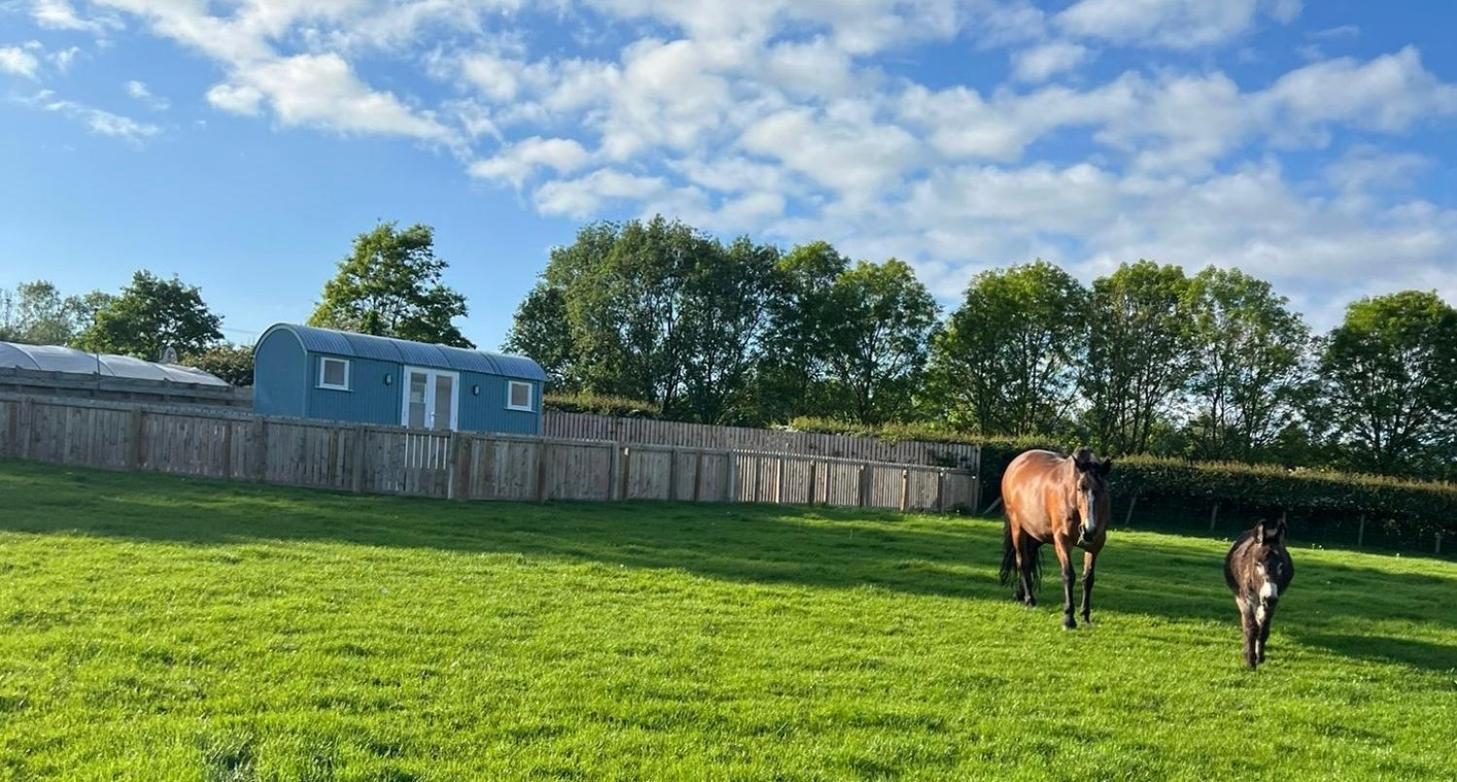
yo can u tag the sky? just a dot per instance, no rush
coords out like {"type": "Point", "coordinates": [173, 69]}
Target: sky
{"type": "Point", "coordinates": [241, 144]}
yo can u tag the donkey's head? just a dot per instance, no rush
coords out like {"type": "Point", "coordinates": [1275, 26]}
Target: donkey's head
{"type": "Point", "coordinates": [1091, 475]}
{"type": "Point", "coordinates": [1269, 556]}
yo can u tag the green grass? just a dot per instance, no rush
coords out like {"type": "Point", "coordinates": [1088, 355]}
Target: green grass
{"type": "Point", "coordinates": [155, 628]}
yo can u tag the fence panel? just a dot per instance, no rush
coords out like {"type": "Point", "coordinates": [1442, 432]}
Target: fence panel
{"type": "Point", "coordinates": [390, 460]}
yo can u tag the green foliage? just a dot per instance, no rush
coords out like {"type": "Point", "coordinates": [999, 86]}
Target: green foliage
{"type": "Point", "coordinates": [166, 629]}
{"type": "Point", "coordinates": [390, 286]}
{"type": "Point", "coordinates": [600, 404]}
{"type": "Point", "coordinates": [793, 361]}
{"type": "Point", "coordinates": [1006, 361]}
{"type": "Point", "coordinates": [1140, 340]}
{"type": "Point", "coordinates": [541, 331]}
{"type": "Point", "coordinates": [233, 363]}
{"type": "Point", "coordinates": [37, 314]}
{"type": "Point", "coordinates": [882, 320]}
{"type": "Point", "coordinates": [1391, 390]}
{"type": "Point", "coordinates": [1249, 375]}
{"type": "Point", "coordinates": [150, 315]}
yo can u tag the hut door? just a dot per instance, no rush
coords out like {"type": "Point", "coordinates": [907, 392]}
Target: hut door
{"type": "Point", "coordinates": [430, 399]}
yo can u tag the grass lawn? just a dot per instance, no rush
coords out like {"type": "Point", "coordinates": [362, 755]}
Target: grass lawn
{"type": "Point", "coordinates": [156, 628]}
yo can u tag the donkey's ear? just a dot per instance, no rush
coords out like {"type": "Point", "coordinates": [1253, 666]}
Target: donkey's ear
{"type": "Point", "coordinates": [1106, 466]}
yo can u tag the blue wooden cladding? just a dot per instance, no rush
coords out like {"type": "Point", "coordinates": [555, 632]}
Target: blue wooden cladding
{"type": "Point", "coordinates": [307, 372]}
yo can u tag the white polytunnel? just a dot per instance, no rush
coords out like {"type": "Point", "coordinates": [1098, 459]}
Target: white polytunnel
{"type": "Point", "coordinates": [52, 358]}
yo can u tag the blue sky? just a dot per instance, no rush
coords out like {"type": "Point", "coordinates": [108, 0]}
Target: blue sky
{"type": "Point", "coordinates": [241, 145]}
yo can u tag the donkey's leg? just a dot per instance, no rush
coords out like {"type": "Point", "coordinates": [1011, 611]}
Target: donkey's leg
{"type": "Point", "coordinates": [1090, 560]}
{"type": "Point", "coordinates": [1060, 544]}
{"type": "Point", "coordinates": [1247, 624]}
{"type": "Point", "coordinates": [1264, 615]}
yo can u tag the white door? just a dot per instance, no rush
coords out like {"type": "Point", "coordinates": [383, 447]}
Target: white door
{"type": "Point", "coordinates": [430, 399]}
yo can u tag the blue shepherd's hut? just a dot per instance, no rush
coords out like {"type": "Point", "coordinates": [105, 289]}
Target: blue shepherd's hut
{"type": "Point", "coordinates": [307, 372]}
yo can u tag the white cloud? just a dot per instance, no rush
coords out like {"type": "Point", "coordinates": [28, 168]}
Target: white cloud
{"type": "Point", "coordinates": [61, 15]}
{"type": "Point", "coordinates": [1044, 61]}
{"type": "Point", "coordinates": [519, 161]}
{"type": "Point", "coordinates": [1389, 94]}
{"type": "Point", "coordinates": [16, 60]}
{"type": "Point", "coordinates": [142, 93]}
{"type": "Point", "coordinates": [98, 121]}
{"type": "Point", "coordinates": [844, 149]}
{"type": "Point", "coordinates": [322, 91]}
{"type": "Point", "coordinates": [1177, 24]}
{"type": "Point", "coordinates": [583, 197]}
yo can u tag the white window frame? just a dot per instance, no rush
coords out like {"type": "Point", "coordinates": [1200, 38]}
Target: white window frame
{"type": "Point", "coordinates": [323, 361]}
{"type": "Point", "coordinates": [430, 411]}
{"type": "Point", "coordinates": [530, 396]}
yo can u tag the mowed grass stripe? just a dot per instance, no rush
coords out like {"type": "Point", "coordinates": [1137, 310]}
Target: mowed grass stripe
{"type": "Point", "coordinates": [162, 628]}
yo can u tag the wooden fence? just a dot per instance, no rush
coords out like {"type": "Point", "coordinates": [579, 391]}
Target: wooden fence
{"type": "Point", "coordinates": [643, 431]}
{"type": "Point", "coordinates": [391, 460]}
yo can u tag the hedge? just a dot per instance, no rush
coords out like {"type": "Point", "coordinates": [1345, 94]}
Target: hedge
{"type": "Point", "coordinates": [1421, 508]}
{"type": "Point", "coordinates": [602, 405]}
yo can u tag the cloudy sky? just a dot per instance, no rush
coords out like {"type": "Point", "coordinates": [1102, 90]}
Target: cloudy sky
{"type": "Point", "coordinates": [240, 144]}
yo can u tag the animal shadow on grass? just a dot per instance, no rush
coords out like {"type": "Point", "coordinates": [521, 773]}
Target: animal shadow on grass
{"type": "Point", "coordinates": [757, 544]}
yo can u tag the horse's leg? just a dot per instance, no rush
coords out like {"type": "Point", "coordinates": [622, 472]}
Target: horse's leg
{"type": "Point", "coordinates": [1247, 624]}
{"type": "Point", "coordinates": [1060, 545]}
{"type": "Point", "coordinates": [1025, 554]}
{"type": "Point", "coordinates": [1090, 560]}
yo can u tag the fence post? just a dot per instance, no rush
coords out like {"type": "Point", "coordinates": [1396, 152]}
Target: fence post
{"type": "Point", "coordinates": [941, 491]}
{"type": "Point", "coordinates": [613, 468]}
{"type": "Point", "coordinates": [1213, 516]}
{"type": "Point", "coordinates": [356, 460]}
{"type": "Point", "coordinates": [136, 447]}
{"type": "Point", "coordinates": [14, 439]}
{"type": "Point", "coordinates": [697, 475]}
{"type": "Point", "coordinates": [864, 487]}
{"type": "Point", "coordinates": [1361, 532]}
{"type": "Point", "coordinates": [905, 489]}
{"type": "Point", "coordinates": [260, 450]}
{"type": "Point", "coordinates": [1128, 519]}
{"type": "Point", "coordinates": [27, 416]}
{"type": "Point", "coordinates": [672, 474]}
{"type": "Point", "coordinates": [779, 482]}
{"type": "Point", "coordinates": [227, 449]}
{"type": "Point", "coordinates": [452, 467]}
{"type": "Point", "coordinates": [541, 447]}
{"type": "Point", "coordinates": [625, 470]}
{"type": "Point", "coordinates": [732, 483]}
{"type": "Point", "coordinates": [813, 476]}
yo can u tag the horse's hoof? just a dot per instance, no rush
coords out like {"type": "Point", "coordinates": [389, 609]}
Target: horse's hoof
{"type": "Point", "coordinates": [1069, 624]}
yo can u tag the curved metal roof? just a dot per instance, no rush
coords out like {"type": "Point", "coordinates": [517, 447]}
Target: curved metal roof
{"type": "Point", "coordinates": [403, 351]}
{"type": "Point", "coordinates": [53, 358]}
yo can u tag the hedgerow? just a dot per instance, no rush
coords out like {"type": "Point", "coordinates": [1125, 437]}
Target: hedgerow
{"type": "Point", "coordinates": [602, 405]}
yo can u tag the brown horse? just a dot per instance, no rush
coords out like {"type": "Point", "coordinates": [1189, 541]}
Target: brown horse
{"type": "Point", "coordinates": [1060, 500]}
{"type": "Point", "coordinates": [1258, 571]}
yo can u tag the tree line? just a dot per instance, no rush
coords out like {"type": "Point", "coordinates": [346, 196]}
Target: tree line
{"type": "Point", "coordinates": [1148, 359]}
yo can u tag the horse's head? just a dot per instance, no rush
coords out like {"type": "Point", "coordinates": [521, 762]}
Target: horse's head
{"type": "Point", "coordinates": [1091, 475]}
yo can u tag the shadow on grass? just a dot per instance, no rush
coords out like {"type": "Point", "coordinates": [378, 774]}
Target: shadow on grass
{"type": "Point", "coordinates": [764, 545]}
{"type": "Point", "coordinates": [1404, 651]}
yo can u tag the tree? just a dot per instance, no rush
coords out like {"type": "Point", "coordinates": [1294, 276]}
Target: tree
{"type": "Point", "coordinates": [541, 332]}
{"type": "Point", "coordinates": [233, 363]}
{"type": "Point", "coordinates": [723, 321]}
{"type": "Point", "coordinates": [884, 317]}
{"type": "Point", "coordinates": [150, 315]}
{"type": "Point", "coordinates": [1390, 381]}
{"type": "Point", "coordinates": [793, 354]}
{"type": "Point", "coordinates": [1140, 340]}
{"type": "Point", "coordinates": [1250, 364]}
{"type": "Point", "coordinates": [390, 285]}
{"type": "Point", "coordinates": [1005, 363]}
{"type": "Point", "coordinates": [37, 313]}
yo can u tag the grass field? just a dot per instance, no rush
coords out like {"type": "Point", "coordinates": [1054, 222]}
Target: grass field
{"type": "Point", "coordinates": [154, 628]}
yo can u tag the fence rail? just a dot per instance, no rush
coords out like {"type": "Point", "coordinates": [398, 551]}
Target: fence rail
{"type": "Point", "coordinates": [644, 431]}
{"type": "Point", "coordinates": [466, 466]}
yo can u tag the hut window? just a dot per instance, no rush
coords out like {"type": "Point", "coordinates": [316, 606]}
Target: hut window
{"type": "Point", "coordinates": [518, 395]}
{"type": "Point", "coordinates": [334, 373]}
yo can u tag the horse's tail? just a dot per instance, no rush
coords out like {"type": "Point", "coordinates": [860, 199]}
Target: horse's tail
{"type": "Point", "coordinates": [1007, 574]}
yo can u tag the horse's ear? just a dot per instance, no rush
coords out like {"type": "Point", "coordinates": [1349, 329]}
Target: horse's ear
{"type": "Point", "coordinates": [1083, 459]}
{"type": "Point", "coordinates": [1107, 465]}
